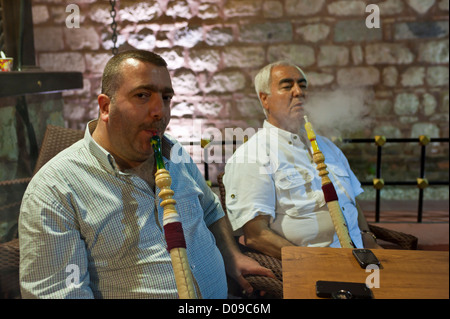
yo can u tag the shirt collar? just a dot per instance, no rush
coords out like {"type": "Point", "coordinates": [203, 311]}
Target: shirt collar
{"type": "Point", "coordinates": [285, 136]}
{"type": "Point", "coordinates": [106, 159]}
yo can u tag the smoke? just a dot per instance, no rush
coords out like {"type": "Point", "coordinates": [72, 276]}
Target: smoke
{"type": "Point", "coordinates": [338, 114]}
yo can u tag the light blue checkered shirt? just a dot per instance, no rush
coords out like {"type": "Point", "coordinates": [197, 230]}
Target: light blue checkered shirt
{"type": "Point", "coordinates": [88, 230]}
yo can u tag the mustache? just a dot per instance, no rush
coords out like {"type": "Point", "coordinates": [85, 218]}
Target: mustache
{"type": "Point", "coordinates": [298, 102]}
{"type": "Point", "coordinates": [159, 126]}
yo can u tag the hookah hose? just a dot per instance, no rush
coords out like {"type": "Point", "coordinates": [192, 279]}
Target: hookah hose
{"type": "Point", "coordinates": [173, 231]}
{"type": "Point", "coordinates": [329, 191]}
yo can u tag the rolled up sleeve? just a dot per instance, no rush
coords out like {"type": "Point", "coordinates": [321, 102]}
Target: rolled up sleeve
{"type": "Point", "coordinates": [249, 193]}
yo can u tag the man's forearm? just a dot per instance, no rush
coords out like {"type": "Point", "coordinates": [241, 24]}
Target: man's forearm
{"type": "Point", "coordinates": [269, 243]}
{"type": "Point", "coordinates": [223, 234]}
{"type": "Point", "coordinates": [368, 239]}
{"type": "Point", "coordinates": [259, 236]}
{"type": "Point", "coordinates": [362, 222]}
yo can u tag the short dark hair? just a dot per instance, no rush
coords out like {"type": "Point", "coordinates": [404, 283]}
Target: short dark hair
{"type": "Point", "coordinates": [112, 75]}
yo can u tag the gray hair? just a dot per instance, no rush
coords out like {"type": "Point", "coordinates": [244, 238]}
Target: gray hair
{"type": "Point", "coordinates": [263, 78]}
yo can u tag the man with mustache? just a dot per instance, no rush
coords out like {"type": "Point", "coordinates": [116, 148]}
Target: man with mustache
{"type": "Point", "coordinates": [90, 223]}
{"type": "Point", "coordinates": [274, 196]}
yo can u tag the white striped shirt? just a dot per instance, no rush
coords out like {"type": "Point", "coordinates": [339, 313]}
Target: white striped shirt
{"type": "Point", "coordinates": [88, 230]}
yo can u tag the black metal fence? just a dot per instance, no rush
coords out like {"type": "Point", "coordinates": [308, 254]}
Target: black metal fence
{"type": "Point", "coordinates": [421, 182]}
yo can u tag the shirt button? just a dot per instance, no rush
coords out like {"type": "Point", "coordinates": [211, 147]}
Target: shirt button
{"type": "Point", "coordinates": [290, 142]}
{"type": "Point", "coordinates": [233, 196]}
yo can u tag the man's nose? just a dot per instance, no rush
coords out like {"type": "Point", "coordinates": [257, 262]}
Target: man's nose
{"type": "Point", "coordinates": [156, 106]}
{"type": "Point", "coordinates": [297, 90]}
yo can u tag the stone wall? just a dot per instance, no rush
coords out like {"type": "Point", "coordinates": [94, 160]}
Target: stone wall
{"type": "Point", "coordinates": [391, 80]}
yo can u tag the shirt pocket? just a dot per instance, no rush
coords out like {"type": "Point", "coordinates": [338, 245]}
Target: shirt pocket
{"type": "Point", "coordinates": [341, 181]}
{"type": "Point", "coordinates": [188, 205]}
{"type": "Point", "coordinates": [298, 192]}
{"type": "Point", "coordinates": [192, 215]}
{"type": "Point", "coordinates": [337, 170]}
{"type": "Point", "coordinates": [291, 178]}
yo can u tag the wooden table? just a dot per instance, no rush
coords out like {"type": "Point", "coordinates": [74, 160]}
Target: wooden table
{"type": "Point", "coordinates": [404, 274]}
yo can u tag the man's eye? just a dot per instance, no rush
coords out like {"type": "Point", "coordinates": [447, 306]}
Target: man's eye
{"type": "Point", "coordinates": [167, 98]}
{"type": "Point", "coordinates": [142, 95]}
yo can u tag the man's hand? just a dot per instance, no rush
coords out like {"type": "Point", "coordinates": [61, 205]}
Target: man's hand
{"type": "Point", "coordinates": [237, 265]}
{"type": "Point", "coordinates": [259, 236]}
{"type": "Point", "coordinates": [243, 265]}
{"type": "Point", "coordinates": [370, 242]}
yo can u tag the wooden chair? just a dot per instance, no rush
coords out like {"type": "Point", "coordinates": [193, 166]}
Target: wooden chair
{"type": "Point", "coordinates": [402, 240]}
{"type": "Point", "coordinates": [55, 140]}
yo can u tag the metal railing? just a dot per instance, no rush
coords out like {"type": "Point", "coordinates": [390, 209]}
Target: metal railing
{"type": "Point", "coordinates": [378, 182]}
{"type": "Point", "coordinates": [421, 182]}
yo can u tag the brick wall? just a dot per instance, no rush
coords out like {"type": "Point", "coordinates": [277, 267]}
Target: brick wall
{"type": "Point", "coordinates": [391, 80]}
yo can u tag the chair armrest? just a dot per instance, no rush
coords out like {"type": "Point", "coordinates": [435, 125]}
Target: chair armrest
{"type": "Point", "coordinates": [9, 269]}
{"type": "Point", "coordinates": [15, 181]}
{"type": "Point", "coordinates": [406, 241]}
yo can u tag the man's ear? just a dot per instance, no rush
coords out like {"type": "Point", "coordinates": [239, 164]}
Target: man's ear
{"type": "Point", "coordinates": [104, 104]}
{"type": "Point", "coordinates": [263, 97]}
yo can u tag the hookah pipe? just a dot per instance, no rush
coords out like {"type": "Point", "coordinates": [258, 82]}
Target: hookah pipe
{"type": "Point", "coordinates": [176, 244]}
{"type": "Point", "coordinates": [329, 191]}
